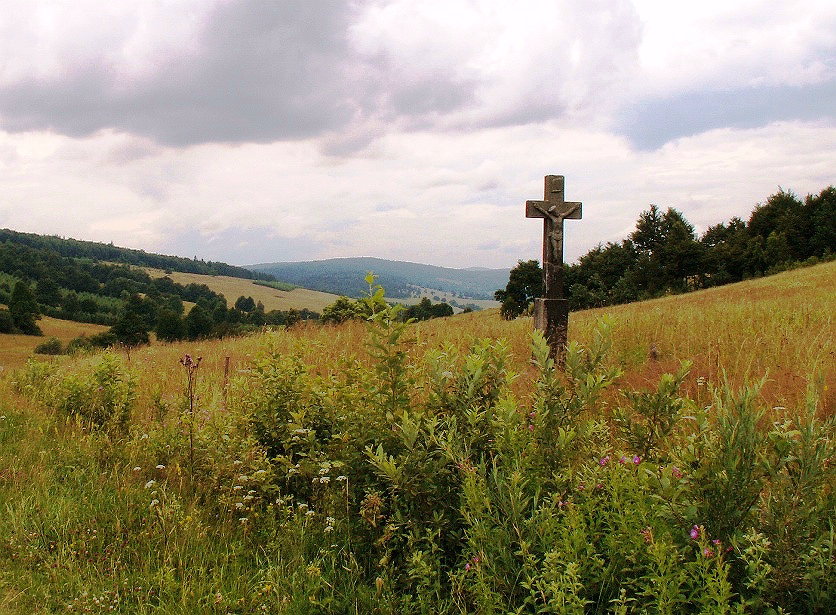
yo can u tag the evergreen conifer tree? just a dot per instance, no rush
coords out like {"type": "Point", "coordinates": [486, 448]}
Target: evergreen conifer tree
{"type": "Point", "coordinates": [24, 309]}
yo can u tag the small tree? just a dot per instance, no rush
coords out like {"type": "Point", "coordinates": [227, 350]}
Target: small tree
{"type": "Point", "coordinates": [131, 329]}
{"type": "Point", "coordinates": [170, 327]}
{"type": "Point", "coordinates": [345, 309]}
{"type": "Point", "coordinates": [245, 304]}
{"type": "Point", "coordinates": [198, 323]}
{"type": "Point", "coordinates": [524, 284]}
{"type": "Point", "coordinates": [7, 323]}
{"type": "Point", "coordinates": [24, 309]}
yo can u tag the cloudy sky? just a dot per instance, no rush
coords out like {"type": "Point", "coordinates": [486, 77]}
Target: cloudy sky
{"type": "Point", "coordinates": [256, 131]}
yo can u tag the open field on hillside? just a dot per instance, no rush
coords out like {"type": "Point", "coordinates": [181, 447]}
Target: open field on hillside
{"type": "Point", "coordinates": [389, 468]}
{"type": "Point", "coordinates": [781, 327]}
{"type": "Point", "coordinates": [15, 349]}
{"type": "Point", "coordinates": [436, 295]}
{"type": "Point", "coordinates": [232, 288]}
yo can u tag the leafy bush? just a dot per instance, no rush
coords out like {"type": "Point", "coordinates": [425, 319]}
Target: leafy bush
{"type": "Point", "coordinates": [7, 323]}
{"type": "Point", "coordinates": [98, 391]}
{"type": "Point", "coordinates": [50, 346]}
{"type": "Point", "coordinates": [463, 498]}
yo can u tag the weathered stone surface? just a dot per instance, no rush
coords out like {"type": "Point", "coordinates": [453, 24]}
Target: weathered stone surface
{"type": "Point", "coordinates": [551, 313]}
{"type": "Point", "coordinates": [551, 316]}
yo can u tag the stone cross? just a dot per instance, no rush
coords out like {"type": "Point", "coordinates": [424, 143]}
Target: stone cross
{"type": "Point", "coordinates": [551, 312]}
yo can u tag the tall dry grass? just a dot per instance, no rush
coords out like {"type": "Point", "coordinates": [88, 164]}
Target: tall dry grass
{"type": "Point", "coordinates": [780, 327]}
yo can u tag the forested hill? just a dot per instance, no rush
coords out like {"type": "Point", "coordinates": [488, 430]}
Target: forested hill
{"type": "Point", "coordinates": [74, 248]}
{"type": "Point", "coordinates": [344, 276]}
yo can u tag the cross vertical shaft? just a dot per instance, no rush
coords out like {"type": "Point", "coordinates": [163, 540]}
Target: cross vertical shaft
{"type": "Point", "coordinates": [551, 312]}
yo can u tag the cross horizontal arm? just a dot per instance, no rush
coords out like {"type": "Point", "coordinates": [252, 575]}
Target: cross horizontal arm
{"type": "Point", "coordinates": [545, 209]}
{"type": "Point", "coordinates": [536, 209]}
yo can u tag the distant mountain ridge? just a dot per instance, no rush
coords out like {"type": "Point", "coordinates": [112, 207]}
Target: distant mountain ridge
{"type": "Point", "coordinates": [401, 279]}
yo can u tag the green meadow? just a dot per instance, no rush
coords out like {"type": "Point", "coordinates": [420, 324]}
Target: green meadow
{"type": "Point", "coordinates": [682, 462]}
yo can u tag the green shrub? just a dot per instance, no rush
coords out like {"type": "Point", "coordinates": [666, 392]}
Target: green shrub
{"type": "Point", "coordinates": [98, 391]}
{"type": "Point", "coordinates": [413, 480]}
{"type": "Point", "coordinates": [50, 346]}
{"type": "Point", "coordinates": [7, 323]}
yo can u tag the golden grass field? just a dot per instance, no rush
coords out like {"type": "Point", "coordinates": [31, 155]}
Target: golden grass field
{"type": "Point", "coordinates": [64, 489]}
{"type": "Point", "coordinates": [232, 288]}
{"type": "Point", "coordinates": [15, 349]}
{"type": "Point", "coordinates": [780, 327]}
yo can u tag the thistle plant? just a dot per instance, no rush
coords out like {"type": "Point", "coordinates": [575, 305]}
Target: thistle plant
{"type": "Point", "coordinates": [191, 365]}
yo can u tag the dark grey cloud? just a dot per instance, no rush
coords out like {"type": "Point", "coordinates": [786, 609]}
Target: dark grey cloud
{"type": "Point", "coordinates": [650, 124]}
{"type": "Point", "coordinates": [259, 71]}
{"type": "Point", "coordinates": [262, 71]}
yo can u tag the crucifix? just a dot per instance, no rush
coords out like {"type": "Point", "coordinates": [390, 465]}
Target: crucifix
{"type": "Point", "coordinates": [551, 312]}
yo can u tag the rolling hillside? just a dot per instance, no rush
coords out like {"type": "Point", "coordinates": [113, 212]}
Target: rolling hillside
{"type": "Point", "coordinates": [136, 480]}
{"type": "Point", "coordinates": [232, 288]}
{"type": "Point", "coordinates": [344, 276]}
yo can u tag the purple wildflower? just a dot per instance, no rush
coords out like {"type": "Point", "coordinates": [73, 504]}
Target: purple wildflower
{"type": "Point", "coordinates": [636, 460]}
{"type": "Point", "coordinates": [604, 461]}
{"type": "Point", "coordinates": [695, 532]}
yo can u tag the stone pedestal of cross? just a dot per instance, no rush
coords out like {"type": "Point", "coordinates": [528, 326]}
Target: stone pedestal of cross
{"type": "Point", "coordinates": [551, 312]}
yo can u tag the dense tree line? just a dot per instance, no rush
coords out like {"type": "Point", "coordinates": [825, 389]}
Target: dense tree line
{"type": "Point", "coordinates": [344, 309]}
{"type": "Point", "coordinates": [210, 317]}
{"type": "Point", "coordinates": [85, 290]}
{"type": "Point", "coordinates": [664, 254]}
{"type": "Point", "coordinates": [96, 251]}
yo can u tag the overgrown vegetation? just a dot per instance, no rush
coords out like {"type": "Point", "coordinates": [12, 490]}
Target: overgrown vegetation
{"type": "Point", "coordinates": [399, 475]}
{"type": "Point", "coordinates": [345, 309]}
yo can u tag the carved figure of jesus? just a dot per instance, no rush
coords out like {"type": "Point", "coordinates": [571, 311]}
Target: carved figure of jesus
{"type": "Point", "coordinates": [554, 210]}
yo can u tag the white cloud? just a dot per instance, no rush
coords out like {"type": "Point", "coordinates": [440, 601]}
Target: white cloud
{"type": "Point", "coordinates": [428, 197]}
{"type": "Point", "coordinates": [405, 130]}
{"type": "Point", "coordinates": [719, 44]}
